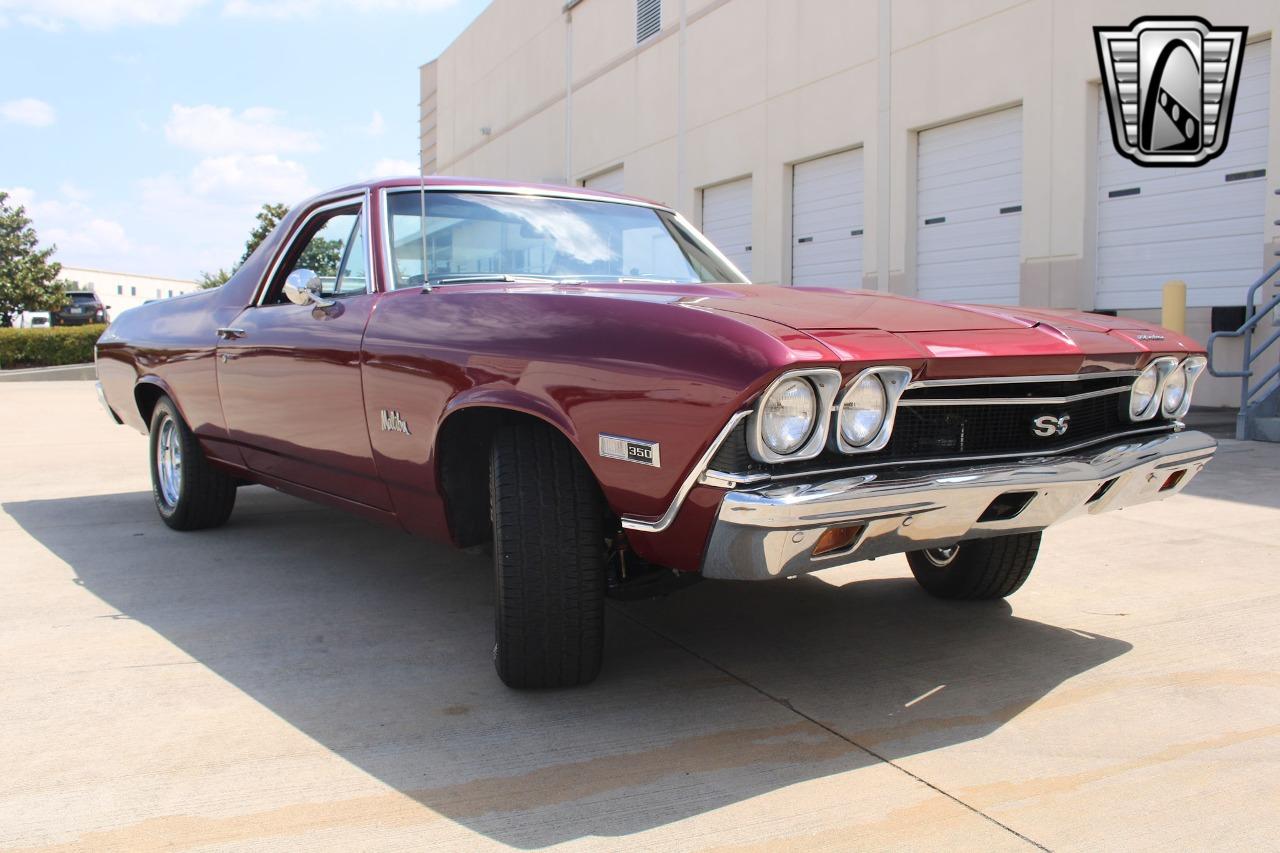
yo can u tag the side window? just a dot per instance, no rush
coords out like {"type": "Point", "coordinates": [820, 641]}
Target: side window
{"type": "Point", "coordinates": [354, 276]}
{"type": "Point", "coordinates": [332, 247]}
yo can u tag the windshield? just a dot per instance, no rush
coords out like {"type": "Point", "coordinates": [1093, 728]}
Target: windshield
{"type": "Point", "coordinates": [495, 236]}
{"type": "Point", "coordinates": [83, 298]}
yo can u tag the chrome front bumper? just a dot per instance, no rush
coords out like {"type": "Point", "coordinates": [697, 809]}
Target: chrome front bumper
{"type": "Point", "coordinates": [771, 531]}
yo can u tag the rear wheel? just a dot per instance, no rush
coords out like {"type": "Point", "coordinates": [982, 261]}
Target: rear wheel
{"type": "Point", "coordinates": [549, 560]}
{"type": "Point", "coordinates": [978, 568]}
{"type": "Point", "coordinates": [190, 494]}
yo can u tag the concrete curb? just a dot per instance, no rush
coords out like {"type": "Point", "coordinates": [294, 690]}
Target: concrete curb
{"type": "Point", "coordinates": [61, 373]}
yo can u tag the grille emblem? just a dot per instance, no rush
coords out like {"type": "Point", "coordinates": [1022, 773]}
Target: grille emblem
{"type": "Point", "coordinates": [1047, 426]}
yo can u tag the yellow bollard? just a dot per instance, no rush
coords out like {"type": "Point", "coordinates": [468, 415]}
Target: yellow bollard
{"type": "Point", "coordinates": [1173, 308]}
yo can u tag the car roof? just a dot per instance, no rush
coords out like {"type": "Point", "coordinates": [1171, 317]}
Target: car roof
{"type": "Point", "coordinates": [442, 182]}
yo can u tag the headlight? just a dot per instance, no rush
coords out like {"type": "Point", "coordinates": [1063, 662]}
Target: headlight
{"type": "Point", "coordinates": [863, 410]}
{"type": "Point", "coordinates": [1176, 399]}
{"type": "Point", "coordinates": [787, 416]}
{"type": "Point", "coordinates": [1149, 387]}
{"type": "Point", "coordinates": [866, 411]}
{"type": "Point", "coordinates": [1175, 391]}
{"type": "Point", "coordinates": [1144, 392]}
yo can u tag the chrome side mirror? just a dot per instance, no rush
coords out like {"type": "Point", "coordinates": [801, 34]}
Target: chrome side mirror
{"type": "Point", "coordinates": [302, 287]}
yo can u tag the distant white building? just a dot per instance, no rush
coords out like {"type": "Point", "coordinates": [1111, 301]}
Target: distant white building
{"type": "Point", "coordinates": [121, 290]}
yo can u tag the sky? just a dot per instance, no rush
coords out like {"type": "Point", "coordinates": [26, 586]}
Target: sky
{"type": "Point", "coordinates": [141, 136]}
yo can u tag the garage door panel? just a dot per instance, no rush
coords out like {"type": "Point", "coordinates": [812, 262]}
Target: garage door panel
{"type": "Point", "coordinates": [1135, 291]}
{"type": "Point", "coordinates": [826, 211]}
{"type": "Point", "coordinates": [1153, 233]}
{"type": "Point", "coordinates": [981, 232]}
{"type": "Point", "coordinates": [1186, 210]}
{"type": "Point", "coordinates": [987, 153]}
{"type": "Point", "coordinates": [984, 128]}
{"type": "Point", "coordinates": [1178, 257]}
{"type": "Point", "coordinates": [966, 173]}
{"type": "Point", "coordinates": [963, 288]}
{"type": "Point", "coordinates": [726, 220]}
{"type": "Point", "coordinates": [1189, 224]}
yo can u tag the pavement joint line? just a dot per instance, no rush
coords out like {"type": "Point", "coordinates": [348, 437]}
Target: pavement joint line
{"type": "Point", "coordinates": [786, 703]}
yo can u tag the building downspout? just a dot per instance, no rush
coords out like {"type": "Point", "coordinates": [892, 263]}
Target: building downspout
{"type": "Point", "coordinates": [884, 139]}
{"type": "Point", "coordinates": [568, 91]}
{"type": "Point", "coordinates": [681, 100]}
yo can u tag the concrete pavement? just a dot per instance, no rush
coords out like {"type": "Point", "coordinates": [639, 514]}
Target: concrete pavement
{"type": "Point", "coordinates": [304, 680]}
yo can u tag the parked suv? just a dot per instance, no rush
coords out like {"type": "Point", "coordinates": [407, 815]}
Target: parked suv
{"type": "Point", "coordinates": [85, 307]}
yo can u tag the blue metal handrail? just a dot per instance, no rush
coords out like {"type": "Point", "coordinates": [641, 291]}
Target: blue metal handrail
{"type": "Point", "coordinates": [1253, 316]}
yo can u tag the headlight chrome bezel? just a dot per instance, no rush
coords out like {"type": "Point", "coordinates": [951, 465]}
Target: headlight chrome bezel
{"type": "Point", "coordinates": [826, 384]}
{"type": "Point", "coordinates": [1162, 367]}
{"type": "Point", "coordinates": [894, 379]}
{"type": "Point", "coordinates": [1191, 368]}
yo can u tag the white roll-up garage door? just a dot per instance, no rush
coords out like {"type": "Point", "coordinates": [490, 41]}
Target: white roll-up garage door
{"type": "Point", "coordinates": [969, 209]}
{"type": "Point", "coordinates": [1202, 225]}
{"type": "Point", "coordinates": [826, 221]}
{"type": "Point", "coordinates": [726, 220]}
{"type": "Point", "coordinates": [609, 182]}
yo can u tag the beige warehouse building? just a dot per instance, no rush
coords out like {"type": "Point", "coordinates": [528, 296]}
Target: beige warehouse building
{"type": "Point", "coordinates": [947, 150]}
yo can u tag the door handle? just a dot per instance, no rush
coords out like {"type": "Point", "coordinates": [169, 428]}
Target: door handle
{"type": "Point", "coordinates": [231, 334]}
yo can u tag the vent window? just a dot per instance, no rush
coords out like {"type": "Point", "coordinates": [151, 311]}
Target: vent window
{"type": "Point", "coordinates": [648, 19]}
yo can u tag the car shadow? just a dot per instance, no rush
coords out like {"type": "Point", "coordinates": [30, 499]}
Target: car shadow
{"type": "Point", "coordinates": [378, 647]}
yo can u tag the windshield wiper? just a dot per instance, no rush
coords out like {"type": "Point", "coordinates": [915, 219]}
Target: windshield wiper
{"type": "Point", "coordinates": [481, 277]}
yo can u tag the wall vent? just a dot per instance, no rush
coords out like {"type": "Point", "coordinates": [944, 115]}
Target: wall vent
{"type": "Point", "coordinates": [648, 19]}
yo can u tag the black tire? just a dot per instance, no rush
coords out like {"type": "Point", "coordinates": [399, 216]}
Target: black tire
{"type": "Point", "coordinates": [977, 569]}
{"type": "Point", "coordinates": [201, 496]}
{"type": "Point", "coordinates": [549, 560]}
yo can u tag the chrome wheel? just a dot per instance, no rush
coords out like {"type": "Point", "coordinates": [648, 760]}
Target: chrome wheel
{"type": "Point", "coordinates": [169, 462]}
{"type": "Point", "coordinates": [941, 557]}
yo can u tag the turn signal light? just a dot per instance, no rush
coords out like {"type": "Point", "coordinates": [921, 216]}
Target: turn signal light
{"type": "Point", "coordinates": [837, 539]}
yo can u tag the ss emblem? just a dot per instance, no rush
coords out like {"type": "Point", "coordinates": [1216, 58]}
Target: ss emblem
{"type": "Point", "coordinates": [1048, 425]}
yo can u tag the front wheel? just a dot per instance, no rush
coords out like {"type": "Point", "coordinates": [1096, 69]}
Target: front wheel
{"type": "Point", "coordinates": [190, 494]}
{"type": "Point", "coordinates": [976, 569]}
{"type": "Point", "coordinates": [549, 560]}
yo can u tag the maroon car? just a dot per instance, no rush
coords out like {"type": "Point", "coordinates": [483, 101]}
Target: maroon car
{"type": "Point", "coordinates": [584, 381]}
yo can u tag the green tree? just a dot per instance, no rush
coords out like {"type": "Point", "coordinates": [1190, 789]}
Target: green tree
{"type": "Point", "coordinates": [321, 257]}
{"type": "Point", "coordinates": [214, 279]}
{"type": "Point", "coordinates": [268, 218]}
{"type": "Point", "coordinates": [26, 273]}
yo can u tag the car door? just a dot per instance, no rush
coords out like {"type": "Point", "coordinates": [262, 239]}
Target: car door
{"type": "Point", "coordinates": [289, 375]}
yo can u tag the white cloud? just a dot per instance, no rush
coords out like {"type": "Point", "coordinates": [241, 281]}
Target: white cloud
{"type": "Point", "coordinates": [251, 177]}
{"type": "Point", "coordinates": [209, 129]}
{"type": "Point", "coordinates": [389, 167]}
{"type": "Point", "coordinates": [29, 111]}
{"type": "Point", "coordinates": [283, 9]}
{"type": "Point", "coordinates": [81, 233]}
{"type": "Point", "coordinates": [98, 14]}
{"type": "Point", "coordinates": [376, 125]}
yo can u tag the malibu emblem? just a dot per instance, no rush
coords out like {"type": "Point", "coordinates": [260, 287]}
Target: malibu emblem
{"type": "Point", "coordinates": [392, 422]}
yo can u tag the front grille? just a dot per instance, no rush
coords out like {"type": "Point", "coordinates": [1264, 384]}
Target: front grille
{"type": "Point", "coordinates": [988, 429]}
{"type": "Point", "coordinates": [947, 428]}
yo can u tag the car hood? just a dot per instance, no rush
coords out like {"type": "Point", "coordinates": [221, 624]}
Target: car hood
{"type": "Point", "coordinates": [814, 309]}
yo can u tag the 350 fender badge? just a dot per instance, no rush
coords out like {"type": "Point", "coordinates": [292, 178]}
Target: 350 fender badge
{"type": "Point", "coordinates": [392, 422]}
{"type": "Point", "coordinates": [630, 450]}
